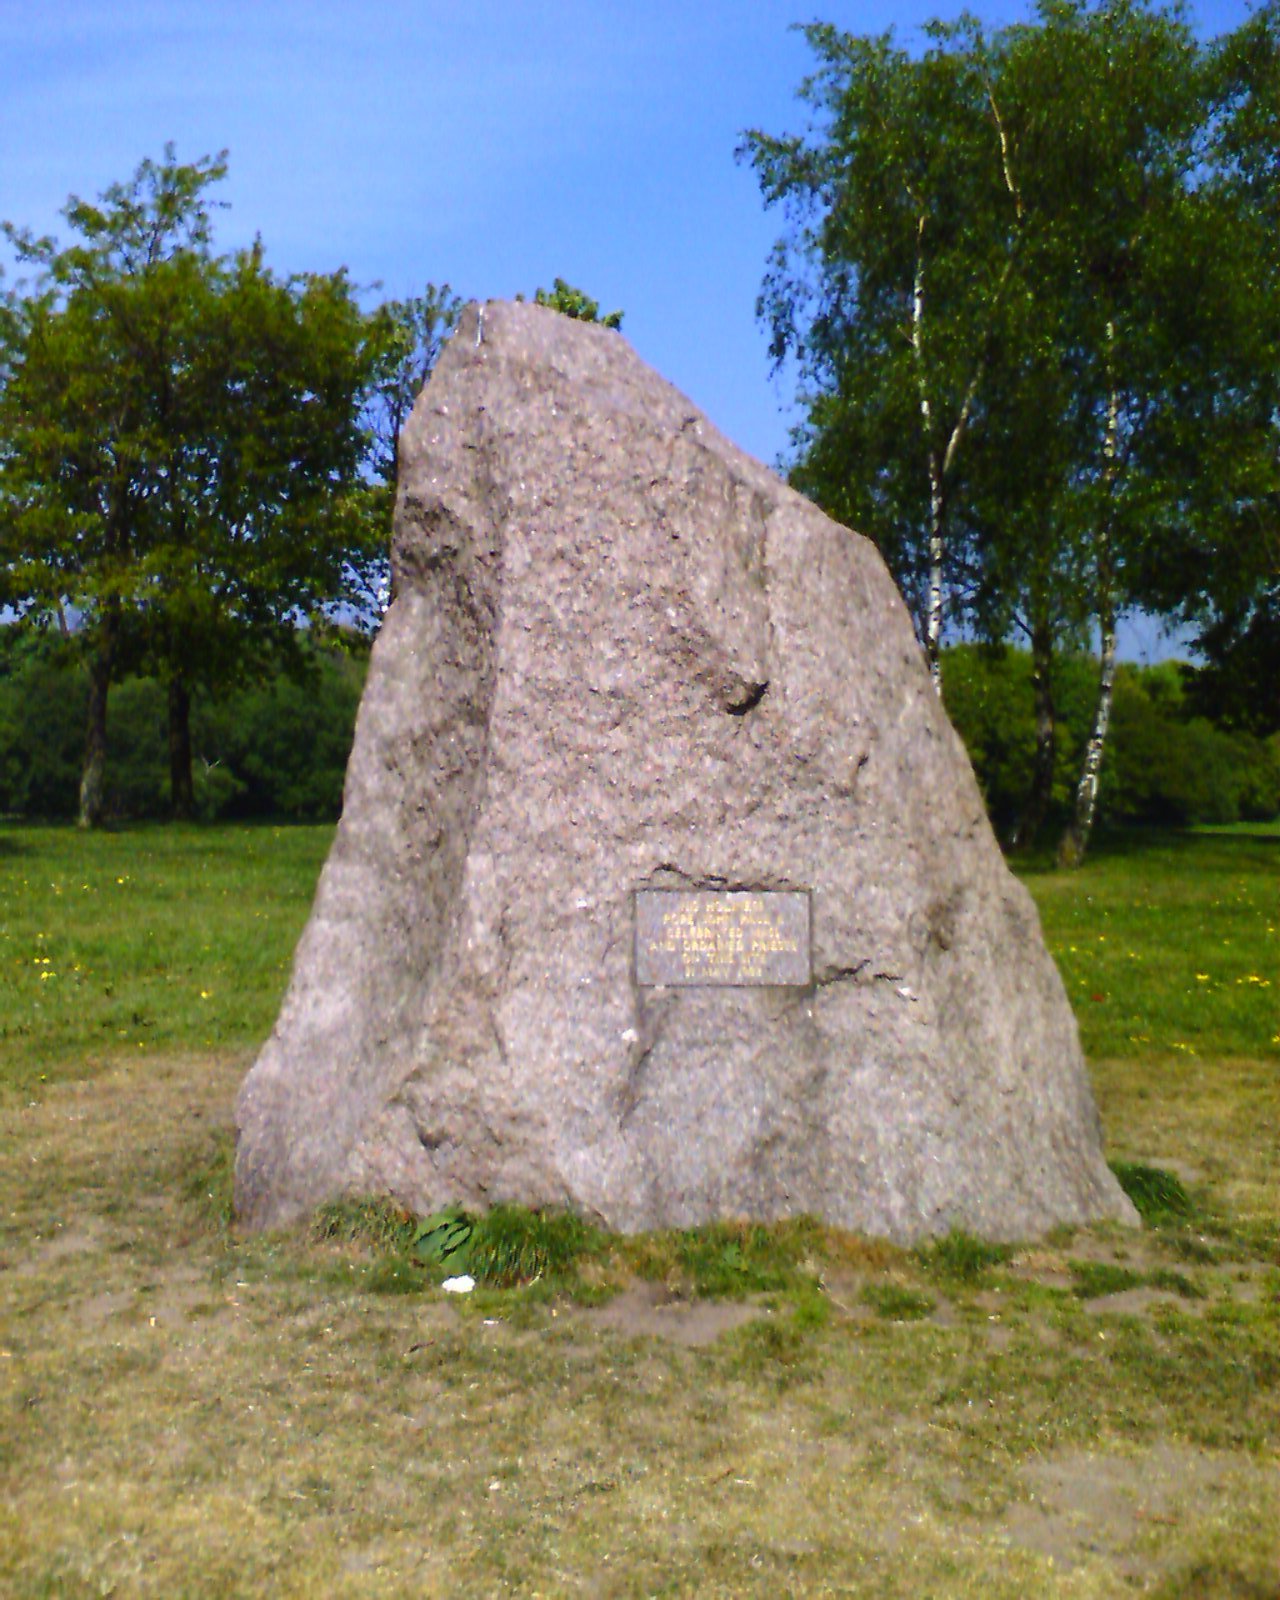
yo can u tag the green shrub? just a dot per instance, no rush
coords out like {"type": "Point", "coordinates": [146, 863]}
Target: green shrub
{"type": "Point", "coordinates": [443, 1240]}
{"type": "Point", "coordinates": [216, 789]}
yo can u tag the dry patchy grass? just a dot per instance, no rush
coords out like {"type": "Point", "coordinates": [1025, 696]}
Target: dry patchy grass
{"type": "Point", "coordinates": [191, 1412]}
{"type": "Point", "coordinates": [186, 1411]}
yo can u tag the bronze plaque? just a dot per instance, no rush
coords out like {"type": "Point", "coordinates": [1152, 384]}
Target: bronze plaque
{"type": "Point", "coordinates": [729, 937]}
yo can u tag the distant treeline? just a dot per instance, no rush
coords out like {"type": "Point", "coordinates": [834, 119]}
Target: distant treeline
{"type": "Point", "coordinates": [275, 748]}
{"type": "Point", "coordinates": [278, 748]}
{"type": "Point", "coordinates": [1169, 760]}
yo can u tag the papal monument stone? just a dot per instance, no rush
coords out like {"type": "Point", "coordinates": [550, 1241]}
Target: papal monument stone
{"type": "Point", "coordinates": [663, 890]}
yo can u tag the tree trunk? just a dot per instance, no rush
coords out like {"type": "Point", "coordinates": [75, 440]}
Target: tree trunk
{"type": "Point", "coordinates": [93, 772]}
{"type": "Point", "coordinates": [941, 465]}
{"type": "Point", "coordinates": [181, 791]}
{"type": "Point", "coordinates": [933, 620]}
{"type": "Point", "coordinates": [1075, 841]}
{"type": "Point", "coordinates": [1040, 794]}
{"type": "Point", "coordinates": [937, 501]}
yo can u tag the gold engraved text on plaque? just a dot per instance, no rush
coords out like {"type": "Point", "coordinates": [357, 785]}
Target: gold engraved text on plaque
{"type": "Point", "coordinates": [728, 937]}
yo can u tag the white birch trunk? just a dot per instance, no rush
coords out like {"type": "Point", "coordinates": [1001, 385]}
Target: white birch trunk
{"type": "Point", "coordinates": [1076, 840]}
{"type": "Point", "coordinates": [933, 618]}
{"type": "Point", "coordinates": [937, 503]}
{"type": "Point", "coordinates": [1087, 789]}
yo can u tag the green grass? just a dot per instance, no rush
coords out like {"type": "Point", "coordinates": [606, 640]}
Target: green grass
{"type": "Point", "coordinates": [505, 1248]}
{"type": "Point", "coordinates": [1168, 943]}
{"type": "Point", "coordinates": [1158, 1196]}
{"type": "Point", "coordinates": [734, 1410]}
{"type": "Point", "coordinates": [149, 939]}
{"type": "Point", "coordinates": [897, 1302]}
{"type": "Point", "coordinates": [173, 939]}
{"type": "Point", "coordinates": [958, 1256]}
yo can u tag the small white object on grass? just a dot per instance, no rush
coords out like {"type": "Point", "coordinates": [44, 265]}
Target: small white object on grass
{"type": "Point", "coordinates": [463, 1285]}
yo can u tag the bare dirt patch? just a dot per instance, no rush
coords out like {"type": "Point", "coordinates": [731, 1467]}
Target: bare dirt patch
{"type": "Point", "coordinates": [1129, 1508]}
{"type": "Point", "coordinates": [1136, 1302]}
{"type": "Point", "coordinates": [647, 1310]}
{"type": "Point", "coordinates": [63, 1243]}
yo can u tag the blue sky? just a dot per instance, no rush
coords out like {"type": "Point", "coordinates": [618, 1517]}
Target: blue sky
{"type": "Point", "coordinates": [492, 145]}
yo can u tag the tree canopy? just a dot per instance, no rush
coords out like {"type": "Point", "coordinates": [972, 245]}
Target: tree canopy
{"type": "Point", "coordinates": [410, 335]}
{"type": "Point", "coordinates": [1028, 279]}
{"type": "Point", "coordinates": [180, 447]}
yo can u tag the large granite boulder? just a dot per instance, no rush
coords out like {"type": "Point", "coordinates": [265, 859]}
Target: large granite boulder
{"type": "Point", "coordinates": [624, 657]}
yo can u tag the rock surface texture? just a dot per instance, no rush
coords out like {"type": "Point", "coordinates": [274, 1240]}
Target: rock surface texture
{"type": "Point", "coordinates": [622, 656]}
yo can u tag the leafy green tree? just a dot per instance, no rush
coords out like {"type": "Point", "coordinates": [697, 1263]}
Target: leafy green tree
{"type": "Point", "coordinates": [571, 302]}
{"type": "Point", "coordinates": [1073, 483]}
{"type": "Point", "coordinates": [1239, 684]}
{"type": "Point", "coordinates": [1230, 585]}
{"type": "Point", "coordinates": [180, 445]}
{"type": "Point", "coordinates": [1131, 262]}
{"type": "Point", "coordinates": [1015, 284]}
{"type": "Point", "coordinates": [1170, 766]}
{"type": "Point", "coordinates": [887, 290]}
{"type": "Point", "coordinates": [992, 698]}
{"type": "Point", "coordinates": [42, 708]}
{"type": "Point", "coordinates": [279, 747]}
{"type": "Point", "coordinates": [408, 336]}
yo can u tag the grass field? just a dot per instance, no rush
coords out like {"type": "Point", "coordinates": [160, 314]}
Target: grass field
{"type": "Point", "coordinates": [738, 1411]}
